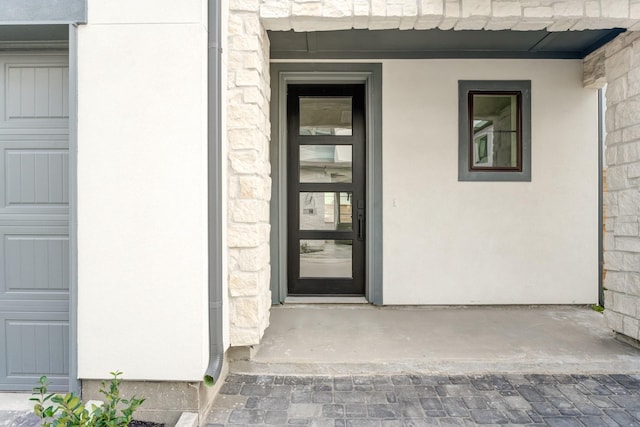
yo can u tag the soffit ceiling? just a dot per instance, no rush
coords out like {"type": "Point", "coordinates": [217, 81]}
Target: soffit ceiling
{"type": "Point", "coordinates": [377, 44]}
{"type": "Point", "coordinates": [33, 33]}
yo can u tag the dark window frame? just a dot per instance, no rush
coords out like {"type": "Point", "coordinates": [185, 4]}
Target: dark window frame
{"type": "Point", "coordinates": [518, 95]}
{"type": "Point", "coordinates": [466, 90]}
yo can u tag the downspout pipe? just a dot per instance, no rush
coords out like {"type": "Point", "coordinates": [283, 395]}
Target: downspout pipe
{"type": "Point", "coordinates": [601, 136]}
{"type": "Point", "coordinates": [214, 160]}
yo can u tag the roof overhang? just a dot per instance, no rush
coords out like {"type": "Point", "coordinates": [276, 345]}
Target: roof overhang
{"type": "Point", "coordinates": [378, 44]}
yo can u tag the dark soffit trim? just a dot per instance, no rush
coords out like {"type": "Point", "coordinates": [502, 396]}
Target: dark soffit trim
{"type": "Point", "coordinates": [431, 44]}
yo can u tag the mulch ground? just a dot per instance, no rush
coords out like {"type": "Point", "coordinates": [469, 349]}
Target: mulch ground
{"type": "Point", "coordinates": [135, 423]}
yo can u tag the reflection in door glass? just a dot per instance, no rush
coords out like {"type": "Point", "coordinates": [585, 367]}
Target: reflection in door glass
{"type": "Point", "coordinates": [325, 163]}
{"type": "Point", "coordinates": [325, 115]}
{"type": "Point", "coordinates": [326, 258]}
{"type": "Point", "coordinates": [325, 211]}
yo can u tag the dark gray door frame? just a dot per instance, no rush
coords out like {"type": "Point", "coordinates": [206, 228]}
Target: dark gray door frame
{"type": "Point", "coordinates": [283, 74]}
{"type": "Point", "coordinates": [74, 382]}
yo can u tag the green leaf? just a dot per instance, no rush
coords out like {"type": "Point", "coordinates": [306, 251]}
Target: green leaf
{"type": "Point", "coordinates": [70, 411]}
{"type": "Point", "coordinates": [73, 401]}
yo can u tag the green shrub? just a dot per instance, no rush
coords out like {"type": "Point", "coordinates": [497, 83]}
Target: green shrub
{"type": "Point", "coordinates": [56, 410]}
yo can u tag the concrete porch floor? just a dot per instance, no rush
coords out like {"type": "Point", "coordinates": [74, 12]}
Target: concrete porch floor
{"type": "Point", "coordinates": [335, 339]}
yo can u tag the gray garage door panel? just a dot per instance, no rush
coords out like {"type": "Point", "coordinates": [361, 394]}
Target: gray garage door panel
{"type": "Point", "coordinates": [36, 344]}
{"type": "Point", "coordinates": [35, 91]}
{"type": "Point", "coordinates": [36, 260]}
{"type": "Point", "coordinates": [36, 263]}
{"type": "Point", "coordinates": [35, 173]}
{"type": "Point", "coordinates": [34, 233]}
{"type": "Point", "coordinates": [37, 177]}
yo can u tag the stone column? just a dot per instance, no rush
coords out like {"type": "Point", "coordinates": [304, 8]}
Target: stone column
{"type": "Point", "coordinates": [248, 173]}
{"type": "Point", "coordinates": [621, 60]}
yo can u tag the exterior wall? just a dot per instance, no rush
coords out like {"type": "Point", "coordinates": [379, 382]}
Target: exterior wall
{"type": "Point", "coordinates": [248, 174]}
{"type": "Point", "coordinates": [142, 190]}
{"type": "Point", "coordinates": [248, 119]}
{"type": "Point", "coordinates": [450, 242]}
{"type": "Point", "coordinates": [555, 15]}
{"type": "Point", "coordinates": [621, 59]}
{"type": "Point", "coordinates": [142, 106]}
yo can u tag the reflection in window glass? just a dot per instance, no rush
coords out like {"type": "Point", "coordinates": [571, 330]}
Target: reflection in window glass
{"type": "Point", "coordinates": [325, 163]}
{"type": "Point", "coordinates": [326, 258]}
{"type": "Point", "coordinates": [325, 115]}
{"type": "Point", "coordinates": [325, 211]}
{"type": "Point", "coordinates": [495, 131]}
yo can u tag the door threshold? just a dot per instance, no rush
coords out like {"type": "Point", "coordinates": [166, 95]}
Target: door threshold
{"type": "Point", "coordinates": [325, 300]}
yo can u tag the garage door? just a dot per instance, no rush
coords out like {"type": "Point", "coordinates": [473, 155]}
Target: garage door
{"type": "Point", "coordinates": [34, 227]}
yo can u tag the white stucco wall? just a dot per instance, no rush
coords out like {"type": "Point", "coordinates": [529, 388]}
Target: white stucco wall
{"type": "Point", "coordinates": [450, 242]}
{"type": "Point", "coordinates": [142, 190]}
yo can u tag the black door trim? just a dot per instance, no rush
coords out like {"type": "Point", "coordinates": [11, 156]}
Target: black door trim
{"type": "Point", "coordinates": [354, 286]}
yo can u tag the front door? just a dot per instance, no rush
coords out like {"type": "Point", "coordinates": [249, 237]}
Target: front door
{"type": "Point", "coordinates": [326, 189]}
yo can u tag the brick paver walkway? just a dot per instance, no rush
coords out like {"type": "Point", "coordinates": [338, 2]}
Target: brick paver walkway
{"type": "Point", "coordinates": [418, 400]}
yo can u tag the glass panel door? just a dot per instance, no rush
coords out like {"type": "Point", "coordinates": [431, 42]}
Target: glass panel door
{"type": "Point", "coordinates": [326, 188]}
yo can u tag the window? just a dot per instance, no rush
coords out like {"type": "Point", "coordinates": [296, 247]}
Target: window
{"type": "Point", "coordinates": [494, 130]}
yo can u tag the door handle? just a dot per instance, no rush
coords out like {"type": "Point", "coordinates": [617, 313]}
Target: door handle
{"type": "Point", "coordinates": [360, 219]}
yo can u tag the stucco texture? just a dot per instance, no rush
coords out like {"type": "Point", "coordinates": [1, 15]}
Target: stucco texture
{"type": "Point", "coordinates": [450, 242]}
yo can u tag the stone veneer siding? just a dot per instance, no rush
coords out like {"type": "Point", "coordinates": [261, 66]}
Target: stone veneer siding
{"type": "Point", "coordinates": [618, 64]}
{"type": "Point", "coordinates": [521, 15]}
{"type": "Point", "coordinates": [248, 130]}
{"type": "Point", "coordinates": [249, 125]}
